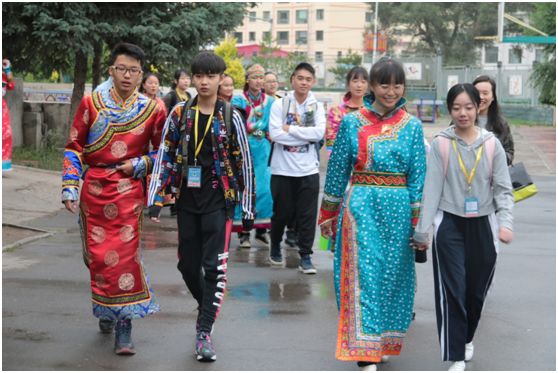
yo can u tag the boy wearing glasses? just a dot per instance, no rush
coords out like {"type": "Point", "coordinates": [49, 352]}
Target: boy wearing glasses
{"type": "Point", "coordinates": [205, 160]}
{"type": "Point", "coordinates": [109, 138]}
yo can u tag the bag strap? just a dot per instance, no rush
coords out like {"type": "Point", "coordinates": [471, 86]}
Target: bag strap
{"type": "Point", "coordinates": [444, 147]}
{"type": "Point", "coordinates": [490, 146]}
{"type": "Point", "coordinates": [228, 116]}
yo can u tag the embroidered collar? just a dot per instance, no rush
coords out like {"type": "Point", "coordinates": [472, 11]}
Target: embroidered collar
{"type": "Point", "coordinates": [369, 100]}
{"type": "Point", "coordinates": [119, 101]}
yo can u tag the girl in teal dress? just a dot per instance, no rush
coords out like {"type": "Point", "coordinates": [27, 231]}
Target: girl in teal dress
{"type": "Point", "coordinates": [379, 150]}
{"type": "Point", "coordinates": [257, 106]}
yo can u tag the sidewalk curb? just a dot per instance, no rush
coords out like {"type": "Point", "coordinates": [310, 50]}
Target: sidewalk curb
{"type": "Point", "coordinates": [23, 241]}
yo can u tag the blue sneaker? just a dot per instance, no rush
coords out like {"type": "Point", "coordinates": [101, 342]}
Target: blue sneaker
{"type": "Point", "coordinates": [275, 256]}
{"type": "Point", "coordinates": [306, 265]}
{"type": "Point", "coordinates": [204, 348]}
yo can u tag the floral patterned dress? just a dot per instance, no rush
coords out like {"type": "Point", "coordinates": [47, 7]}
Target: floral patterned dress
{"type": "Point", "coordinates": [106, 131]}
{"type": "Point", "coordinates": [374, 273]}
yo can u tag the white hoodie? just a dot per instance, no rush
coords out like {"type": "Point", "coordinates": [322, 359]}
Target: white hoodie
{"type": "Point", "coordinates": [296, 164]}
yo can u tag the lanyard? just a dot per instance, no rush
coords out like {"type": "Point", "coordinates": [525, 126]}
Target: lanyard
{"type": "Point", "coordinates": [196, 145]}
{"type": "Point", "coordinates": [468, 175]}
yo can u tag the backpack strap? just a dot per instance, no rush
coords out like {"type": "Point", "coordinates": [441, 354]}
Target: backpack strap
{"type": "Point", "coordinates": [182, 122]}
{"type": "Point", "coordinates": [490, 146]}
{"type": "Point", "coordinates": [444, 147]}
{"type": "Point", "coordinates": [228, 116]}
{"type": "Point", "coordinates": [286, 103]}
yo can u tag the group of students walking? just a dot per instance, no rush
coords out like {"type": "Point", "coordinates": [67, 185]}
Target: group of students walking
{"type": "Point", "coordinates": [238, 163]}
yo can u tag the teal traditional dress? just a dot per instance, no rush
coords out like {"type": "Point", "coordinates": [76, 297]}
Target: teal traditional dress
{"type": "Point", "coordinates": [383, 160]}
{"type": "Point", "coordinates": [258, 110]}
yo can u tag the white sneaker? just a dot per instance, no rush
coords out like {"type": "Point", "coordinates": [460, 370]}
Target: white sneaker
{"type": "Point", "coordinates": [469, 350]}
{"type": "Point", "coordinates": [457, 365]}
{"type": "Point", "coordinates": [369, 368]}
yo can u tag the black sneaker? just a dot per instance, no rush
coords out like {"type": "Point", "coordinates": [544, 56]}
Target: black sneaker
{"type": "Point", "coordinates": [263, 238]}
{"type": "Point", "coordinates": [244, 240]}
{"type": "Point", "coordinates": [204, 348]}
{"type": "Point", "coordinates": [106, 326]}
{"type": "Point", "coordinates": [306, 265]}
{"type": "Point", "coordinates": [275, 256]}
{"type": "Point", "coordinates": [291, 238]}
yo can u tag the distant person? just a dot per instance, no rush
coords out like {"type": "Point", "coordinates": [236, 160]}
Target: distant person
{"type": "Point", "coordinates": [226, 88]}
{"type": "Point", "coordinates": [490, 115]}
{"type": "Point", "coordinates": [206, 162]}
{"type": "Point", "coordinates": [179, 89]}
{"type": "Point", "coordinates": [257, 106]}
{"type": "Point", "coordinates": [379, 153]}
{"type": "Point", "coordinates": [107, 147]}
{"type": "Point", "coordinates": [296, 127]}
{"type": "Point", "coordinates": [7, 84]}
{"type": "Point", "coordinates": [356, 83]}
{"type": "Point", "coordinates": [150, 87]}
{"type": "Point", "coordinates": [468, 202]}
{"type": "Point", "coordinates": [271, 84]}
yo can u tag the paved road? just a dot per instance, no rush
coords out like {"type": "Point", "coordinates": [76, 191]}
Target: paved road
{"type": "Point", "coordinates": [272, 319]}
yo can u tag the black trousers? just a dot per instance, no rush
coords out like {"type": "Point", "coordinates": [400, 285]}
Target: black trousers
{"type": "Point", "coordinates": [203, 251]}
{"type": "Point", "coordinates": [298, 196]}
{"type": "Point", "coordinates": [464, 259]}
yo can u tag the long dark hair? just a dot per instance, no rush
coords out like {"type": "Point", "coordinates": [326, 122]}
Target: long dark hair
{"type": "Point", "coordinates": [387, 71]}
{"type": "Point", "coordinates": [496, 122]}
{"type": "Point", "coordinates": [458, 89]}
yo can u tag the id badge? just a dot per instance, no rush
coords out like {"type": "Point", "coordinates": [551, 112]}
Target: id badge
{"type": "Point", "coordinates": [194, 177]}
{"type": "Point", "coordinates": [471, 207]}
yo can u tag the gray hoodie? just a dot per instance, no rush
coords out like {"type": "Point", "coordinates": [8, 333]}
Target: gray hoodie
{"type": "Point", "coordinates": [448, 192]}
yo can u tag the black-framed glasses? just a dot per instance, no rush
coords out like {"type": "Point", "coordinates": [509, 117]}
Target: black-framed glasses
{"type": "Point", "coordinates": [123, 70]}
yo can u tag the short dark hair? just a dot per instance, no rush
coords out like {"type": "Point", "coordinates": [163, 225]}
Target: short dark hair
{"type": "Point", "coordinates": [356, 72]}
{"type": "Point", "coordinates": [146, 76]}
{"type": "Point", "coordinates": [208, 63]}
{"type": "Point", "coordinates": [387, 71]}
{"type": "Point", "coordinates": [127, 49]}
{"type": "Point", "coordinates": [304, 66]}
{"type": "Point", "coordinates": [177, 74]}
{"type": "Point", "coordinates": [458, 89]}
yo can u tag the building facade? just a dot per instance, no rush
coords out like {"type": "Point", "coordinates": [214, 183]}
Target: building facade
{"type": "Point", "coordinates": [320, 31]}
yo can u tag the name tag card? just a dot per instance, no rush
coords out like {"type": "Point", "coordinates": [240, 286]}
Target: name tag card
{"type": "Point", "coordinates": [471, 207]}
{"type": "Point", "coordinates": [194, 177]}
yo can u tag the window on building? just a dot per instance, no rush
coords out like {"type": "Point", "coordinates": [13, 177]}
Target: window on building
{"type": "Point", "coordinates": [368, 16]}
{"type": "Point", "coordinates": [238, 37]}
{"type": "Point", "coordinates": [319, 35]}
{"type": "Point", "coordinates": [299, 53]}
{"type": "Point", "coordinates": [282, 37]}
{"type": "Point", "coordinates": [252, 36]}
{"type": "Point", "coordinates": [319, 14]}
{"type": "Point", "coordinates": [301, 37]}
{"type": "Point", "coordinates": [514, 55]}
{"type": "Point", "coordinates": [319, 57]}
{"type": "Point", "coordinates": [302, 16]}
{"type": "Point", "coordinates": [283, 17]}
{"type": "Point", "coordinates": [266, 15]}
{"type": "Point", "coordinates": [266, 35]}
{"type": "Point", "coordinates": [252, 16]}
{"type": "Point", "coordinates": [339, 54]}
{"type": "Point", "coordinates": [491, 54]}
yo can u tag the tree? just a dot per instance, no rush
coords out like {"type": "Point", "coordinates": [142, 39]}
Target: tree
{"type": "Point", "coordinates": [283, 66]}
{"type": "Point", "coordinates": [344, 64]}
{"type": "Point", "coordinates": [227, 50]}
{"type": "Point", "coordinates": [41, 37]}
{"type": "Point", "coordinates": [449, 28]}
{"type": "Point", "coordinates": [544, 72]}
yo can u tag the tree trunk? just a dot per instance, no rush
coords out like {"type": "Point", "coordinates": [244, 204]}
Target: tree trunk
{"type": "Point", "coordinates": [80, 75]}
{"type": "Point", "coordinates": [97, 55]}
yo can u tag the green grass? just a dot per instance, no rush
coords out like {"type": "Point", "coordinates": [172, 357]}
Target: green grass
{"type": "Point", "coordinates": [49, 158]}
